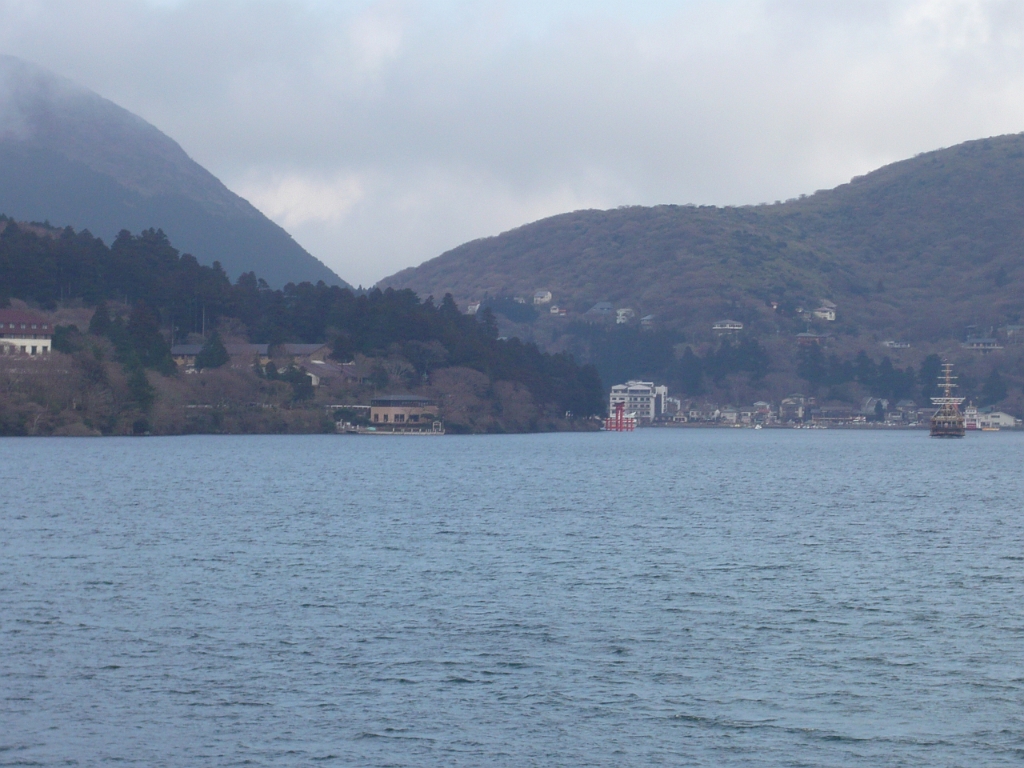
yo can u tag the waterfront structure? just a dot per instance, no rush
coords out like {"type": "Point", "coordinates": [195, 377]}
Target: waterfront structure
{"type": "Point", "coordinates": [997, 420]}
{"type": "Point", "coordinates": [948, 421]}
{"type": "Point", "coordinates": [24, 333]}
{"type": "Point", "coordinates": [641, 398]}
{"type": "Point", "coordinates": [618, 421]}
{"type": "Point", "coordinates": [795, 408]}
{"type": "Point", "coordinates": [403, 413]}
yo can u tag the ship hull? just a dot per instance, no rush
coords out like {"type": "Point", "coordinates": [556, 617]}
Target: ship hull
{"type": "Point", "coordinates": [948, 429]}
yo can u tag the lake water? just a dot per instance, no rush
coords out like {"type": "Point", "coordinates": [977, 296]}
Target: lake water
{"type": "Point", "coordinates": [696, 597]}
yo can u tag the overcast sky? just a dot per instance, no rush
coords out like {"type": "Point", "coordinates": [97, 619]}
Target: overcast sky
{"type": "Point", "coordinates": [381, 134]}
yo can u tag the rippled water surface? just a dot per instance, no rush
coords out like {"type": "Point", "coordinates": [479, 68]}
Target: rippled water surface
{"type": "Point", "coordinates": [701, 597]}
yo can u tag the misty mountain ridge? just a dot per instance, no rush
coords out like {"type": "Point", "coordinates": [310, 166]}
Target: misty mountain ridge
{"type": "Point", "coordinates": [69, 156]}
{"type": "Point", "coordinates": [922, 249]}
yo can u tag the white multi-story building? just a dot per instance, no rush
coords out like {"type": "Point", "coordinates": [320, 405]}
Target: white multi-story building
{"type": "Point", "coordinates": [643, 398]}
{"type": "Point", "coordinates": [23, 333]}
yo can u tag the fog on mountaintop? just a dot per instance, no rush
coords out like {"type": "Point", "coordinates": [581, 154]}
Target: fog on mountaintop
{"type": "Point", "coordinates": [380, 134]}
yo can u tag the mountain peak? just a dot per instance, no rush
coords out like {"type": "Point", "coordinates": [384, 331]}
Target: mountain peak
{"type": "Point", "coordinates": [73, 157]}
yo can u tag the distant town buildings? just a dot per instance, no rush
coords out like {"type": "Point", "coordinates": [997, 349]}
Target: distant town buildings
{"type": "Point", "coordinates": [650, 404]}
{"type": "Point", "coordinates": [24, 333]}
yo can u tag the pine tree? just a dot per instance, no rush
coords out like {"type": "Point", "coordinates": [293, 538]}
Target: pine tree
{"type": "Point", "coordinates": [100, 323]}
{"type": "Point", "coordinates": [213, 354]}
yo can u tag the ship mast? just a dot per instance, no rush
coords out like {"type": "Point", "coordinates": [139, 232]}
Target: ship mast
{"type": "Point", "coordinates": [947, 386]}
{"type": "Point", "coordinates": [948, 421]}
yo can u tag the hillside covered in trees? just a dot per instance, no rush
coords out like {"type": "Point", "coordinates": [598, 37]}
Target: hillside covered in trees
{"type": "Point", "coordinates": [146, 296]}
{"type": "Point", "coordinates": [920, 250]}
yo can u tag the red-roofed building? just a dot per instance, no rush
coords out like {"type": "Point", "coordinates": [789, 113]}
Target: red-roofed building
{"type": "Point", "coordinates": [24, 333]}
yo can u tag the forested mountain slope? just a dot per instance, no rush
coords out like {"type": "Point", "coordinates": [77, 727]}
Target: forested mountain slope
{"type": "Point", "coordinates": [71, 157]}
{"type": "Point", "coordinates": [919, 250]}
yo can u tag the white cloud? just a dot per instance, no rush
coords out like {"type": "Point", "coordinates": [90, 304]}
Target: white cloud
{"type": "Point", "coordinates": [382, 133]}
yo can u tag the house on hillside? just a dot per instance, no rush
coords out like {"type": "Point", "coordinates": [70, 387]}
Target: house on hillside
{"type": "Point", "coordinates": [982, 344]}
{"type": "Point", "coordinates": [542, 297]}
{"type": "Point", "coordinates": [24, 333]}
{"type": "Point", "coordinates": [825, 313]}
{"type": "Point", "coordinates": [726, 327]}
{"type": "Point", "coordinates": [624, 315]}
{"type": "Point", "coordinates": [647, 322]}
{"type": "Point", "coordinates": [1014, 334]}
{"type": "Point", "coordinates": [808, 339]}
{"type": "Point", "coordinates": [603, 310]}
{"type": "Point", "coordinates": [473, 307]}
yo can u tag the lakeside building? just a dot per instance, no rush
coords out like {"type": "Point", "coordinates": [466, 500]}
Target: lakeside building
{"type": "Point", "coordinates": [703, 413]}
{"type": "Point", "coordinates": [403, 413]}
{"type": "Point", "coordinates": [24, 333]}
{"type": "Point", "coordinates": [795, 408]}
{"type": "Point", "coordinates": [643, 398]}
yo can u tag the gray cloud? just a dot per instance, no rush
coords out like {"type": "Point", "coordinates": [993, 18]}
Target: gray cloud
{"type": "Point", "coordinates": [382, 133]}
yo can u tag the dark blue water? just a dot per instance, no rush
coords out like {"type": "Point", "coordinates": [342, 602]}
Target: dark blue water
{"type": "Point", "coordinates": [698, 597]}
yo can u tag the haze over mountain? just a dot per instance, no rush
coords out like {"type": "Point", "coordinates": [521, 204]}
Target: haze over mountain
{"type": "Point", "coordinates": [69, 156]}
{"type": "Point", "coordinates": [920, 249]}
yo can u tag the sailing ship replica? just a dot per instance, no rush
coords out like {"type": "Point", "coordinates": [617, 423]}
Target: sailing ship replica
{"type": "Point", "coordinates": [948, 421]}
